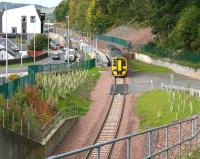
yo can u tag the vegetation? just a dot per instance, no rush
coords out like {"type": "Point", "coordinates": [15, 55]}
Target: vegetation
{"type": "Point", "coordinates": [52, 92]}
{"type": "Point", "coordinates": [13, 77]}
{"type": "Point", "coordinates": [41, 42]}
{"type": "Point", "coordinates": [61, 11]}
{"type": "Point", "coordinates": [147, 68]}
{"type": "Point", "coordinates": [158, 107]}
{"type": "Point", "coordinates": [194, 155]}
{"type": "Point", "coordinates": [176, 22]}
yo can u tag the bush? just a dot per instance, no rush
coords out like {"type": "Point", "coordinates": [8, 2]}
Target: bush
{"type": "Point", "coordinates": [13, 77]}
{"type": "Point", "coordinates": [41, 42]}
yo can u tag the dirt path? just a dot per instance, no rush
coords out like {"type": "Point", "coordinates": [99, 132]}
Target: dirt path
{"type": "Point", "coordinates": [85, 130]}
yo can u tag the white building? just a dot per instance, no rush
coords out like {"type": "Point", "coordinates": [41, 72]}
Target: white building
{"type": "Point", "coordinates": [22, 20]}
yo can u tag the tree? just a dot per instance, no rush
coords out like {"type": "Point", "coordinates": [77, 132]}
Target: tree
{"type": "Point", "coordinates": [61, 10]}
{"type": "Point", "coordinates": [186, 34]}
{"type": "Point", "coordinates": [41, 42]}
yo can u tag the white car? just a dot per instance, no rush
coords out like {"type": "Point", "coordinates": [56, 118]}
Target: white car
{"type": "Point", "coordinates": [71, 56]}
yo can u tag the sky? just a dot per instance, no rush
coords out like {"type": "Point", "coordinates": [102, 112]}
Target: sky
{"type": "Point", "coordinates": [45, 3]}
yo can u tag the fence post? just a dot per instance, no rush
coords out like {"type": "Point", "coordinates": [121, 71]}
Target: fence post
{"type": "Point", "coordinates": [21, 126]}
{"type": "Point", "coordinates": [149, 144]}
{"type": "Point", "coordinates": [180, 138]}
{"type": "Point", "coordinates": [28, 130]}
{"type": "Point", "coordinates": [196, 129]}
{"type": "Point", "coordinates": [192, 133]}
{"type": "Point", "coordinates": [13, 120]}
{"type": "Point", "coordinates": [3, 118]}
{"type": "Point", "coordinates": [98, 152]}
{"type": "Point", "coordinates": [166, 141]}
{"type": "Point", "coordinates": [128, 145]}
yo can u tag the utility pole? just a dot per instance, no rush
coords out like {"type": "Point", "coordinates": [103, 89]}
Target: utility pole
{"type": "Point", "coordinates": [6, 44]}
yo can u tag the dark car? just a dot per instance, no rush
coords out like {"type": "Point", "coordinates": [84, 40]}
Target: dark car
{"type": "Point", "coordinates": [56, 57]}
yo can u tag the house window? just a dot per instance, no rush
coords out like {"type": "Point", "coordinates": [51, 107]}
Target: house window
{"type": "Point", "coordinates": [14, 30]}
{"type": "Point", "coordinates": [33, 19]}
{"type": "Point", "coordinates": [23, 18]}
{"type": "Point", "coordinates": [23, 31]}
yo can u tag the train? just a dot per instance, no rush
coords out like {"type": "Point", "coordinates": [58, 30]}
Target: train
{"type": "Point", "coordinates": [119, 66]}
{"type": "Point", "coordinates": [118, 63]}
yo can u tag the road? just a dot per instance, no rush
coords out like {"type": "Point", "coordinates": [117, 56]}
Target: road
{"type": "Point", "coordinates": [49, 60]}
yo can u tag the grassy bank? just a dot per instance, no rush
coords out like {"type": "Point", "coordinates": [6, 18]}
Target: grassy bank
{"type": "Point", "coordinates": [159, 107]}
{"type": "Point", "coordinates": [81, 96]}
{"type": "Point", "coordinates": [194, 155]}
{"type": "Point", "coordinates": [147, 68]}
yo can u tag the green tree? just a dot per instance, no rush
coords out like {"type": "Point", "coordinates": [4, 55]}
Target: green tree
{"type": "Point", "coordinates": [41, 42]}
{"type": "Point", "coordinates": [186, 34]}
{"type": "Point", "coordinates": [61, 10]}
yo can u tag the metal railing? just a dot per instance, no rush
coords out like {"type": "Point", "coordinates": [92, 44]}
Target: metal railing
{"type": "Point", "coordinates": [33, 131]}
{"type": "Point", "coordinates": [173, 143]}
{"type": "Point", "coordinates": [168, 141]}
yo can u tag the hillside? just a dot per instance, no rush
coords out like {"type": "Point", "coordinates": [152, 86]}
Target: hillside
{"type": "Point", "coordinates": [175, 23]}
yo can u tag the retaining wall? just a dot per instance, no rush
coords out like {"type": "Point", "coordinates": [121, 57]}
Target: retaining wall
{"type": "Point", "coordinates": [14, 146]}
{"type": "Point", "coordinates": [183, 70]}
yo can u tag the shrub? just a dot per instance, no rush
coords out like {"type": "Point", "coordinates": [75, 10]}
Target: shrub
{"type": "Point", "coordinates": [41, 42]}
{"type": "Point", "coordinates": [13, 77]}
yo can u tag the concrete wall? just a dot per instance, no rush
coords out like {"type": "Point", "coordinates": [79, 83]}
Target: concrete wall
{"type": "Point", "coordinates": [183, 70]}
{"type": "Point", "coordinates": [14, 146]}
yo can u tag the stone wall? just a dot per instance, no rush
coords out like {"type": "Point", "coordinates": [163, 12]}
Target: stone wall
{"type": "Point", "coordinates": [183, 70]}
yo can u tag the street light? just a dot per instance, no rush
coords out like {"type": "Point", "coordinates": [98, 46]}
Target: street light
{"type": "Point", "coordinates": [48, 36]}
{"type": "Point", "coordinates": [68, 38]}
{"type": "Point", "coordinates": [21, 48]}
{"type": "Point", "coordinates": [6, 44]}
{"type": "Point", "coordinates": [34, 37]}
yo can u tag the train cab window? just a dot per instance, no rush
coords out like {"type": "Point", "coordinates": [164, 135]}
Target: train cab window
{"type": "Point", "coordinates": [123, 63]}
{"type": "Point", "coordinates": [114, 63]}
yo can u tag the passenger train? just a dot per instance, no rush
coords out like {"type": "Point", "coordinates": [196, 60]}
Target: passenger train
{"type": "Point", "coordinates": [119, 66]}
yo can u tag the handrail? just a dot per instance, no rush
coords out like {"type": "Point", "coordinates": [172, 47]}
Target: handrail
{"type": "Point", "coordinates": [194, 131]}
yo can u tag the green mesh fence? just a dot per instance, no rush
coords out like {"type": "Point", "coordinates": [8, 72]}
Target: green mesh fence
{"type": "Point", "coordinates": [166, 53]}
{"type": "Point", "coordinates": [9, 89]}
{"type": "Point", "coordinates": [115, 40]}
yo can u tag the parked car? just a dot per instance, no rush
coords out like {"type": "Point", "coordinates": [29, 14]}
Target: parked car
{"type": "Point", "coordinates": [56, 56]}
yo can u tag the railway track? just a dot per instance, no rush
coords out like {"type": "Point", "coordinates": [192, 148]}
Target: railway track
{"type": "Point", "coordinates": [111, 124]}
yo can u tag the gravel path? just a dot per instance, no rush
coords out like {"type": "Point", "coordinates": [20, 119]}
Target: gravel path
{"type": "Point", "coordinates": [85, 130]}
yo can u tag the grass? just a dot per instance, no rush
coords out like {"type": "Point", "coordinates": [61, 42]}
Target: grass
{"type": "Point", "coordinates": [147, 68]}
{"type": "Point", "coordinates": [194, 155]}
{"type": "Point", "coordinates": [81, 96]}
{"type": "Point", "coordinates": [154, 110]}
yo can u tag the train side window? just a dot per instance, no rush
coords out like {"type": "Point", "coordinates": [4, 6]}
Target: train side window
{"type": "Point", "coordinates": [114, 63]}
{"type": "Point", "coordinates": [123, 63]}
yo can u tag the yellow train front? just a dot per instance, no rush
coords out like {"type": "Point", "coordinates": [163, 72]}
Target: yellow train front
{"type": "Point", "coordinates": [119, 66]}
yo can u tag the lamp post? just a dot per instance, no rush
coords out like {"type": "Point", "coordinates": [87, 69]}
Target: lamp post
{"type": "Point", "coordinates": [48, 36]}
{"type": "Point", "coordinates": [21, 49]}
{"type": "Point", "coordinates": [68, 39]}
{"type": "Point", "coordinates": [6, 44]}
{"type": "Point", "coordinates": [34, 39]}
